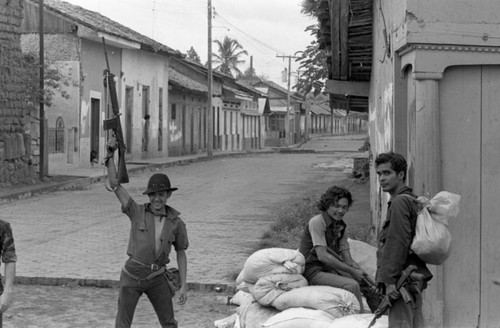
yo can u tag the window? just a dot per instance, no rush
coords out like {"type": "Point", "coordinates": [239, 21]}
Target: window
{"type": "Point", "coordinates": [56, 137]}
{"type": "Point", "coordinates": [173, 113]}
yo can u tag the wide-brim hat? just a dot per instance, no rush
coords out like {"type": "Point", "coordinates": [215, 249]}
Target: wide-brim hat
{"type": "Point", "coordinates": [158, 182]}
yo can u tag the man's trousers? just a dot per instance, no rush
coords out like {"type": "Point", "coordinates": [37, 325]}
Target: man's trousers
{"type": "Point", "coordinates": [158, 292]}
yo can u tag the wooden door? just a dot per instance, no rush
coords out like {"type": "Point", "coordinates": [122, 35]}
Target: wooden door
{"type": "Point", "coordinates": [95, 127]}
{"type": "Point", "coordinates": [129, 106]}
{"type": "Point", "coordinates": [470, 139]}
{"type": "Point", "coordinates": [490, 191]}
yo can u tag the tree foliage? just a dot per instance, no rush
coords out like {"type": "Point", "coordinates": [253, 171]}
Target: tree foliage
{"type": "Point", "coordinates": [310, 7]}
{"type": "Point", "coordinates": [313, 67]}
{"type": "Point", "coordinates": [228, 56]}
{"type": "Point", "coordinates": [249, 73]}
{"type": "Point", "coordinates": [193, 55]}
{"type": "Point", "coordinates": [55, 82]}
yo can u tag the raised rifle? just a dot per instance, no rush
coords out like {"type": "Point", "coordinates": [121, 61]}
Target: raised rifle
{"type": "Point", "coordinates": [114, 122]}
{"type": "Point", "coordinates": [407, 275]}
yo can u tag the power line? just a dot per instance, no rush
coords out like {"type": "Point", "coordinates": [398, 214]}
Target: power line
{"type": "Point", "coordinates": [249, 35]}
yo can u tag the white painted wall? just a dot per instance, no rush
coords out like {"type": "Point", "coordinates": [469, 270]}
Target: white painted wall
{"type": "Point", "coordinates": [145, 69]}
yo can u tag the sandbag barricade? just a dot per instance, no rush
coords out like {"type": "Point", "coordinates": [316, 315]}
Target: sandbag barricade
{"type": "Point", "coordinates": [268, 288]}
{"type": "Point", "coordinates": [300, 318]}
{"type": "Point", "coordinates": [269, 261]}
{"type": "Point", "coordinates": [335, 301]}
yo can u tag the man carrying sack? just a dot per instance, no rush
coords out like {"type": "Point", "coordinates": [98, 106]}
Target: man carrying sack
{"type": "Point", "coordinates": [155, 228]}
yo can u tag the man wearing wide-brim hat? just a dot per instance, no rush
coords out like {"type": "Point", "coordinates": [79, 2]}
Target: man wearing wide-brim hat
{"type": "Point", "coordinates": [155, 228]}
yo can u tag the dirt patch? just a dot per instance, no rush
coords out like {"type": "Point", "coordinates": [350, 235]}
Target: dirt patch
{"type": "Point", "coordinates": [75, 307]}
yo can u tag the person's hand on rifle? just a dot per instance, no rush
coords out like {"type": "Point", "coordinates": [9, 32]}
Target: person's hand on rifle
{"type": "Point", "coordinates": [111, 147]}
{"type": "Point", "coordinates": [357, 274]}
{"type": "Point", "coordinates": [392, 292]}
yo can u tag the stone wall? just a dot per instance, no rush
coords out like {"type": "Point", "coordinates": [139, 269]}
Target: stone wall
{"type": "Point", "coordinates": [18, 156]}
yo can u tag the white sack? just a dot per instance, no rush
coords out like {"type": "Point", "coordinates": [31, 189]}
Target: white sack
{"type": "Point", "coordinates": [432, 238]}
{"type": "Point", "coordinates": [244, 286]}
{"type": "Point", "coordinates": [300, 318]}
{"type": "Point", "coordinates": [242, 298]}
{"type": "Point", "coordinates": [268, 288]}
{"type": "Point", "coordinates": [360, 321]}
{"type": "Point", "coordinates": [444, 206]}
{"type": "Point", "coordinates": [365, 255]}
{"type": "Point", "coordinates": [335, 301]}
{"type": "Point", "coordinates": [254, 315]}
{"type": "Point", "coordinates": [271, 261]}
{"type": "Point", "coordinates": [227, 322]}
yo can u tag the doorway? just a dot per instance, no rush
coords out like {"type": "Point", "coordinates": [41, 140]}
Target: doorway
{"type": "Point", "coordinates": [95, 127]}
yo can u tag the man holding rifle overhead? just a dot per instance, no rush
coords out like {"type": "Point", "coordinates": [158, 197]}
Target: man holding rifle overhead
{"type": "Point", "coordinates": [155, 229]}
{"type": "Point", "coordinates": [394, 255]}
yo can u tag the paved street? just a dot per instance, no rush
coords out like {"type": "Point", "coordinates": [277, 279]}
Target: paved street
{"type": "Point", "coordinates": [226, 203]}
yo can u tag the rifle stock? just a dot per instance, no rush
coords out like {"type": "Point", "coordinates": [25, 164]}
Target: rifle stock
{"type": "Point", "coordinates": [114, 123]}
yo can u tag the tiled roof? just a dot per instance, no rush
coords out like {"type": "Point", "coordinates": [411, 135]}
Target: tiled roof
{"type": "Point", "coordinates": [176, 78]}
{"type": "Point", "coordinates": [98, 22]}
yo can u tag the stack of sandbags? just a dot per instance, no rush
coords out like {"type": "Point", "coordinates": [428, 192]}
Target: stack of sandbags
{"type": "Point", "coordinates": [270, 272]}
{"type": "Point", "coordinates": [267, 274]}
{"type": "Point", "coordinates": [269, 261]}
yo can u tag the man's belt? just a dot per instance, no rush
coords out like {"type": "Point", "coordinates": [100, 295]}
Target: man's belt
{"type": "Point", "coordinates": [157, 268]}
{"type": "Point", "coordinates": [152, 266]}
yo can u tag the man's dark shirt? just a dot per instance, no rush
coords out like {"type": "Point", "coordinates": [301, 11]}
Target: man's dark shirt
{"type": "Point", "coordinates": [7, 247]}
{"type": "Point", "coordinates": [395, 239]}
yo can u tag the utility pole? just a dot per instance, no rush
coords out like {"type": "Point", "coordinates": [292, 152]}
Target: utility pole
{"type": "Point", "coordinates": [287, 119]}
{"type": "Point", "coordinates": [210, 137]}
{"type": "Point", "coordinates": [41, 164]}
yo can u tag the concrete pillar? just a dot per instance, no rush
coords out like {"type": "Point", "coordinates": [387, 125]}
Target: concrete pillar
{"type": "Point", "coordinates": [428, 178]}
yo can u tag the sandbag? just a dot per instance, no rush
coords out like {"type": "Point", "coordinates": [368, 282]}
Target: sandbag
{"type": "Point", "coordinates": [243, 286]}
{"type": "Point", "coordinates": [335, 301]}
{"type": "Point", "coordinates": [254, 315]}
{"type": "Point", "coordinates": [300, 318]}
{"type": "Point", "coordinates": [227, 322]}
{"type": "Point", "coordinates": [268, 288]}
{"type": "Point", "coordinates": [365, 255]}
{"type": "Point", "coordinates": [360, 321]}
{"type": "Point", "coordinates": [271, 261]}
{"type": "Point", "coordinates": [242, 298]}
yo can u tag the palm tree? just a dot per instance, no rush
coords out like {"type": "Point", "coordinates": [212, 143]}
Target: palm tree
{"type": "Point", "coordinates": [228, 56]}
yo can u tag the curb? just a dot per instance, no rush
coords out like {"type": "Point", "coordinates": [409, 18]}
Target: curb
{"type": "Point", "coordinates": [105, 283]}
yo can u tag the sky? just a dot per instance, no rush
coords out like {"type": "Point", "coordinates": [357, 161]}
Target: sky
{"type": "Point", "coordinates": [265, 28]}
